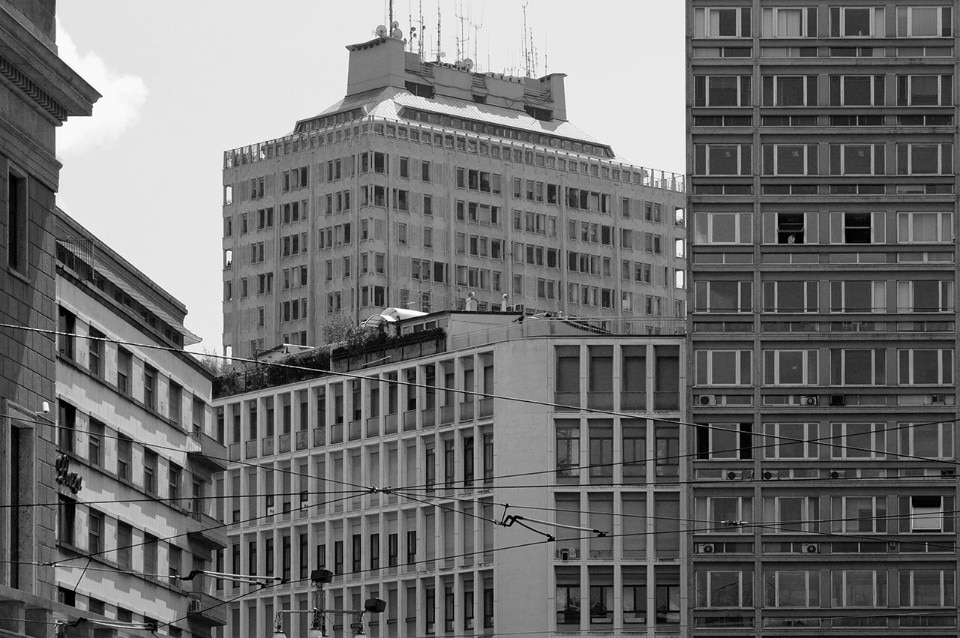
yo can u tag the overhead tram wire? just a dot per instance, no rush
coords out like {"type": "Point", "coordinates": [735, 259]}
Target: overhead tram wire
{"type": "Point", "coordinates": [624, 415]}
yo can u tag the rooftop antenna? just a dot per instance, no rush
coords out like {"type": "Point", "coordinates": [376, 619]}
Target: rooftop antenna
{"type": "Point", "coordinates": [461, 40]}
{"type": "Point", "coordinates": [421, 30]}
{"type": "Point", "coordinates": [439, 18]}
{"type": "Point", "coordinates": [526, 53]}
{"type": "Point", "coordinates": [476, 39]}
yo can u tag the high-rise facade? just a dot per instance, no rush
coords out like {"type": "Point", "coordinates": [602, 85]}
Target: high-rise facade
{"type": "Point", "coordinates": [37, 93]}
{"type": "Point", "coordinates": [821, 147]}
{"type": "Point", "coordinates": [461, 471]}
{"type": "Point", "coordinates": [428, 185]}
{"type": "Point", "coordinates": [138, 448]}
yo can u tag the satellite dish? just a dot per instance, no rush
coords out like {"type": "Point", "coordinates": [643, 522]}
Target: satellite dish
{"type": "Point", "coordinates": [442, 54]}
{"type": "Point", "coordinates": [396, 33]}
{"type": "Point", "coordinates": [394, 24]}
{"type": "Point", "coordinates": [467, 64]}
{"type": "Point", "coordinates": [381, 31]}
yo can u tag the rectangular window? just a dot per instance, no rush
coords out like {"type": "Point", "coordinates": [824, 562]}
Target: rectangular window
{"type": "Point", "coordinates": [859, 514]}
{"type": "Point", "coordinates": [722, 22]}
{"type": "Point", "coordinates": [724, 589]}
{"type": "Point", "coordinates": [67, 521]}
{"type": "Point", "coordinates": [790, 367]}
{"type": "Point", "coordinates": [723, 296]}
{"type": "Point", "coordinates": [925, 367]}
{"type": "Point", "coordinates": [724, 367]}
{"type": "Point", "coordinates": [790, 440]}
{"type": "Point", "coordinates": [789, 90]}
{"type": "Point", "coordinates": [924, 22]}
{"type": "Point", "coordinates": [924, 159]}
{"type": "Point", "coordinates": [857, 367]}
{"type": "Point", "coordinates": [792, 514]}
{"type": "Point", "coordinates": [924, 90]}
{"type": "Point", "coordinates": [95, 443]}
{"type": "Point", "coordinates": [786, 589]}
{"type": "Point", "coordinates": [720, 90]}
{"type": "Point", "coordinates": [926, 440]}
{"type": "Point", "coordinates": [858, 296]}
{"type": "Point", "coordinates": [722, 159]}
{"type": "Point", "coordinates": [781, 22]}
{"type": "Point", "coordinates": [791, 296]}
{"type": "Point", "coordinates": [927, 588]}
{"type": "Point", "coordinates": [857, 22]}
{"type": "Point", "coordinates": [789, 159]}
{"type": "Point", "coordinates": [725, 441]}
{"type": "Point", "coordinates": [17, 221]}
{"type": "Point", "coordinates": [856, 440]}
{"type": "Point", "coordinates": [857, 159]}
{"type": "Point", "coordinates": [149, 387]}
{"type": "Point", "coordinates": [150, 472]}
{"type": "Point", "coordinates": [924, 228]}
{"type": "Point", "coordinates": [66, 328]}
{"type": "Point", "coordinates": [927, 514]}
{"type": "Point", "coordinates": [790, 228]}
{"type": "Point", "coordinates": [859, 588]}
{"type": "Point", "coordinates": [723, 228]}
{"type": "Point", "coordinates": [124, 370]}
{"type": "Point", "coordinates": [857, 90]}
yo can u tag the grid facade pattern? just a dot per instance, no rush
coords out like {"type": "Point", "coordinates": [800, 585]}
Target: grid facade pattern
{"type": "Point", "coordinates": [821, 144]}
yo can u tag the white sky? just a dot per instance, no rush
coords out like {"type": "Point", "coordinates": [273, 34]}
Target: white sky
{"type": "Point", "coordinates": [185, 80]}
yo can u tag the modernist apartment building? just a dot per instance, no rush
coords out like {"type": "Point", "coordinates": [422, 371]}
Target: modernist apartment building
{"type": "Point", "coordinates": [429, 182]}
{"type": "Point", "coordinates": [821, 148]}
{"type": "Point", "coordinates": [429, 470]}
{"type": "Point", "coordinates": [38, 92]}
{"type": "Point", "coordinates": [137, 450]}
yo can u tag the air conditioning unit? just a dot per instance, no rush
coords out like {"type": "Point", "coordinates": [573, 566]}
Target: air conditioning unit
{"type": "Point", "coordinates": [563, 554]}
{"type": "Point", "coordinates": [948, 473]}
{"type": "Point", "coordinates": [837, 474]}
{"type": "Point", "coordinates": [809, 399]}
{"type": "Point", "coordinates": [271, 510]}
{"type": "Point", "coordinates": [706, 548]}
{"type": "Point", "coordinates": [733, 475]}
{"type": "Point", "coordinates": [769, 475]}
{"type": "Point", "coordinates": [574, 553]}
{"type": "Point", "coordinates": [938, 399]}
{"type": "Point", "coordinates": [811, 548]}
{"type": "Point", "coordinates": [707, 399]}
{"type": "Point", "coordinates": [838, 400]}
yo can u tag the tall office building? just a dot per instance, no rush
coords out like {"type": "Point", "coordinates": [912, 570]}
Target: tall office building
{"type": "Point", "coordinates": [821, 145]}
{"type": "Point", "coordinates": [37, 93]}
{"type": "Point", "coordinates": [429, 182]}
{"type": "Point", "coordinates": [458, 471]}
{"type": "Point", "coordinates": [138, 449]}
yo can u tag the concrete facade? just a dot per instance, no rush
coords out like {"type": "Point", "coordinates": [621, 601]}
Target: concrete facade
{"type": "Point", "coordinates": [398, 470]}
{"type": "Point", "coordinates": [821, 145]}
{"type": "Point", "coordinates": [37, 93]}
{"type": "Point", "coordinates": [135, 424]}
{"type": "Point", "coordinates": [429, 182]}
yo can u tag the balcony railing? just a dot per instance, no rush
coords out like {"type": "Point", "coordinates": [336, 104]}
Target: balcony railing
{"type": "Point", "coordinates": [486, 407]}
{"type": "Point", "coordinates": [267, 445]}
{"type": "Point", "coordinates": [250, 450]}
{"type": "Point", "coordinates": [466, 410]}
{"type": "Point", "coordinates": [285, 443]}
{"type": "Point", "coordinates": [301, 441]}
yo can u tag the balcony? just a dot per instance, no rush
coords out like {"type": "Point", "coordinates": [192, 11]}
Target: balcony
{"type": "Point", "coordinates": [267, 446]}
{"type": "Point", "coordinates": [318, 437]}
{"type": "Point", "coordinates": [207, 609]}
{"type": "Point", "coordinates": [234, 451]}
{"type": "Point", "coordinates": [409, 420]}
{"type": "Point", "coordinates": [353, 430]}
{"type": "Point", "coordinates": [446, 414]}
{"type": "Point", "coordinates": [486, 407]}
{"type": "Point", "coordinates": [285, 443]}
{"type": "Point", "coordinates": [373, 426]}
{"type": "Point", "coordinates": [467, 410]}
{"type": "Point", "coordinates": [250, 450]}
{"type": "Point", "coordinates": [205, 450]}
{"type": "Point", "coordinates": [204, 528]}
{"type": "Point", "coordinates": [301, 441]}
{"type": "Point", "coordinates": [390, 424]}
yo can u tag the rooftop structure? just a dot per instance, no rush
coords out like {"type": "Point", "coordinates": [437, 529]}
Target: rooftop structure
{"type": "Point", "coordinates": [429, 182]}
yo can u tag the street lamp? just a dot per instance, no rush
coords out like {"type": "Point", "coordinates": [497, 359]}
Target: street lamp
{"type": "Point", "coordinates": [320, 577]}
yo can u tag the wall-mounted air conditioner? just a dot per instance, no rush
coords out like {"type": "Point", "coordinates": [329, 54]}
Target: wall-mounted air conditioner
{"type": "Point", "coordinates": [809, 399]}
{"type": "Point", "coordinates": [705, 548]}
{"type": "Point", "coordinates": [707, 399]}
{"type": "Point", "coordinates": [769, 475]}
{"type": "Point", "coordinates": [838, 400]}
{"type": "Point", "coordinates": [811, 548]}
{"type": "Point", "coordinates": [271, 510]}
{"type": "Point", "coordinates": [733, 475]}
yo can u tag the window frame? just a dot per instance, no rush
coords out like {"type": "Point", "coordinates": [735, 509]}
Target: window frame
{"type": "Point", "coordinates": [877, 589]}
{"type": "Point", "coordinates": [772, 367]}
{"type": "Point", "coordinates": [838, 22]}
{"type": "Point", "coordinates": [906, 158]}
{"type": "Point", "coordinates": [905, 20]}
{"type": "Point", "coordinates": [843, 522]}
{"type": "Point", "coordinates": [769, 28]}
{"type": "Point", "coordinates": [809, 509]}
{"type": "Point", "coordinates": [706, 228]}
{"type": "Point", "coordinates": [744, 594]}
{"type": "Point", "coordinates": [772, 159]}
{"type": "Point", "coordinates": [811, 588]}
{"type": "Point", "coordinates": [839, 161]}
{"type": "Point", "coordinates": [840, 436]}
{"type": "Point", "coordinates": [704, 158]}
{"type": "Point", "coordinates": [810, 296]}
{"type": "Point", "coordinates": [702, 19]}
{"type": "Point", "coordinates": [907, 226]}
{"type": "Point", "coordinates": [707, 367]}
{"type": "Point", "coordinates": [743, 303]}
{"type": "Point", "coordinates": [772, 92]}
{"type": "Point", "coordinates": [907, 363]}
{"type": "Point", "coordinates": [17, 233]}
{"type": "Point", "coordinates": [774, 438]}
{"type": "Point", "coordinates": [840, 290]}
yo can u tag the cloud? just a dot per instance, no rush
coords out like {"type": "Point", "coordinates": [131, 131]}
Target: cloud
{"type": "Point", "coordinates": [123, 97]}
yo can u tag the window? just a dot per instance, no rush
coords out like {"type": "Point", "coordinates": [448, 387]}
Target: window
{"type": "Point", "coordinates": [95, 352]}
{"type": "Point", "coordinates": [856, 22]}
{"type": "Point", "coordinates": [926, 440]}
{"type": "Point", "coordinates": [635, 604]}
{"type": "Point", "coordinates": [927, 588]}
{"type": "Point", "coordinates": [66, 328]}
{"type": "Point", "coordinates": [17, 221]}
{"type": "Point", "coordinates": [781, 22]}
{"type": "Point", "coordinates": [149, 472]}
{"type": "Point", "coordinates": [124, 370]}
{"type": "Point", "coordinates": [924, 228]}
{"type": "Point", "coordinates": [924, 22]}
{"type": "Point", "coordinates": [724, 367]}
{"type": "Point", "coordinates": [792, 514]}
{"type": "Point", "coordinates": [859, 514]}
{"type": "Point", "coordinates": [67, 521]}
{"type": "Point", "coordinates": [568, 448]}
{"type": "Point", "coordinates": [95, 443]}
{"type": "Point", "coordinates": [173, 484]}
{"type": "Point", "coordinates": [568, 606]}
{"type": "Point", "coordinates": [725, 441]}
{"type": "Point", "coordinates": [790, 367]}
{"type": "Point", "coordinates": [722, 22]}
{"type": "Point", "coordinates": [792, 588]}
{"type": "Point", "coordinates": [724, 228]}
{"type": "Point", "coordinates": [925, 367]}
{"type": "Point", "coordinates": [790, 440]}
{"type": "Point", "coordinates": [924, 159]}
{"type": "Point", "coordinates": [857, 159]}
{"type": "Point", "coordinates": [601, 604]}
{"type": "Point", "coordinates": [789, 90]}
{"type": "Point", "coordinates": [858, 296]}
{"type": "Point", "coordinates": [67, 426]}
{"type": "Point", "coordinates": [725, 589]}
{"type": "Point", "coordinates": [124, 546]}
{"type": "Point", "coordinates": [789, 159]}
{"type": "Point", "coordinates": [723, 296]}
{"type": "Point", "coordinates": [150, 546]}
{"type": "Point", "coordinates": [600, 432]}
{"type": "Point", "coordinates": [724, 514]}
{"type": "Point", "coordinates": [856, 367]}
{"type": "Point", "coordinates": [857, 90]}
{"type": "Point", "coordinates": [149, 387]}
{"type": "Point", "coordinates": [124, 457]}
{"type": "Point", "coordinates": [856, 440]}
{"type": "Point", "coordinates": [720, 90]}
{"type": "Point", "coordinates": [94, 532]}
{"type": "Point", "coordinates": [791, 296]}
{"type": "Point", "coordinates": [789, 228]}
{"type": "Point", "coordinates": [859, 588]}
{"type": "Point", "coordinates": [924, 90]}
{"type": "Point", "coordinates": [926, 514]}
{"type": "Point", "coordinates": [722, 159]}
